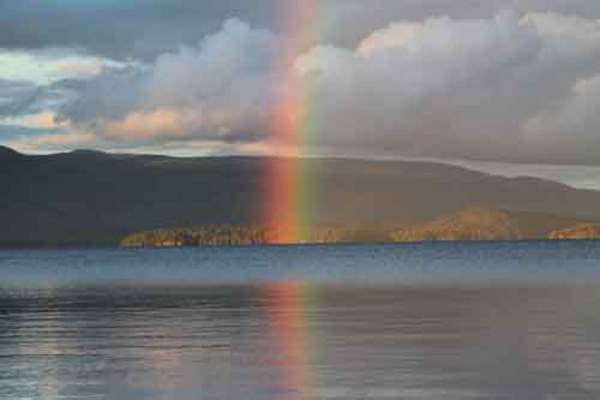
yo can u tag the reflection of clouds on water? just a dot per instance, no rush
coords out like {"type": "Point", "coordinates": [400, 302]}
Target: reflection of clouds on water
{"type": "Point", "coordinates": [185, 345]}
{"type": "Point", "coordinates": [290, 341]}
{"type": "Point", "coordinates": [529, 341]}
{"type": "Point", "coordinates": [584, 358]}
{"type": "Point", "coordinates": [521, 343]}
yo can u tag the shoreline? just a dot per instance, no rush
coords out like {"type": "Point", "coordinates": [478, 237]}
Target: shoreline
{"type": "Point", "coordinates": [76, 246]}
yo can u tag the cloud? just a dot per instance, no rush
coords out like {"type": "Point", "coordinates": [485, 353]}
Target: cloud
{"type": "Point", "coordinates": [570, 129]}
{"type": "Point", "coordinates": [9, 133]}
{"type": "Point", "coordinates": [53, 142]}
{"type": "Point", "coordinates": [42, 132]}
{"type": "Point", "coordinates": [42, 120]}
{"type": "Point", "coordinates": [33, 83]}
{"type": "Point", "coordinates": [45, 66]}
{"type": "Point", "coordinates": [15, 95]}
{"type": "Point", "coordinates": [219, 89]}
{"type": "Point", "coordinates": [465, 89]}
{"type": "Point", "coordinates": [516, 88]}
{"type": "Point", "coordinates": [40, 81]}
{"type": "Point", "coordinates": [144, 29]}
{"type": "Point", "coordinates": [167, 123]}
{"type": "Point", "coordinates": [120, 29]}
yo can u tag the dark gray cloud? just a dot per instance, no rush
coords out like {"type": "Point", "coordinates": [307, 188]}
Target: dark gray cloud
{"type": "Point", "coordinates": [120, 28]}
{"type": "Point", "coordinates": [110, 95]}
{"type": "Point", "coordinates": [19, 98]}
{"type": "Point", "coordinates": [145, 28]}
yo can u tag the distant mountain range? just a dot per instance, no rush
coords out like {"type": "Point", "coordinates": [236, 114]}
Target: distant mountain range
{"type": "Point", "coordinates": [88, 197]}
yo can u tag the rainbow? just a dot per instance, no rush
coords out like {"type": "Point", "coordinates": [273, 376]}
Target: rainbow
{"type": "Point", "coordinates": [289, 339]}
{"type": "Point", "coordinates": [287, 207]}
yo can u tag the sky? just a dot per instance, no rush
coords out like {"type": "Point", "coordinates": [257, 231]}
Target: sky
{"type": "Point", "coordinates": [505, 86]}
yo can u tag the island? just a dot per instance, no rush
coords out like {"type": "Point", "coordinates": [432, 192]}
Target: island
{"type": "Point", "coordinates": [481, 223]}
{"type": "Point", "coordinates": [224, 235]}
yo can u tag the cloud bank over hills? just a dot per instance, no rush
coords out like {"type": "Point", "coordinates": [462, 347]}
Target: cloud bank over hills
{"type": "Point", "coordinates": [504, 86]}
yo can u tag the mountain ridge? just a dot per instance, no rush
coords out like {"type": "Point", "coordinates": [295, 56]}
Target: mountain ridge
{"type": "Point", "coordinates": [7, 152]}
{"type": "Point", "coordinates": [94, 197]}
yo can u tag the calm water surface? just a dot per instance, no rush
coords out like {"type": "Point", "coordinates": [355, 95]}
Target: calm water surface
{"type": "Point", "coordinates": [442, 321]}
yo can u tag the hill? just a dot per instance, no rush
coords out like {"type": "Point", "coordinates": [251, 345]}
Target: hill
{"type": "Point", "coordinates": [471, 224]}
{"type": "Point", "coordinates": [7, 154]}
{"type": "Point", "coordinates": [580, 231]}
{"type": "Point", "coordinates": [93, 197]}
{"type": "Point", "coordinates": [484, 223]}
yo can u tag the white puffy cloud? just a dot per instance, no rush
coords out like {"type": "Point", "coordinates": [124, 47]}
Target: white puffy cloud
{"type": "Point", "coordinates": [465, 89]}
{"type": "Point", "coordinates": [512, 88]}
{"type": "Point", "coordinates": [218, 90]}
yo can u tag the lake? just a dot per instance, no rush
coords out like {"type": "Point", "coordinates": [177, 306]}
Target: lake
{"type": "Point", "coordinates": [500, 321]}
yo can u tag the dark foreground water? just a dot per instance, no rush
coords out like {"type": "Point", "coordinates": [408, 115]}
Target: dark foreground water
{"type": "Point", "coordinates": [444, 321]}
